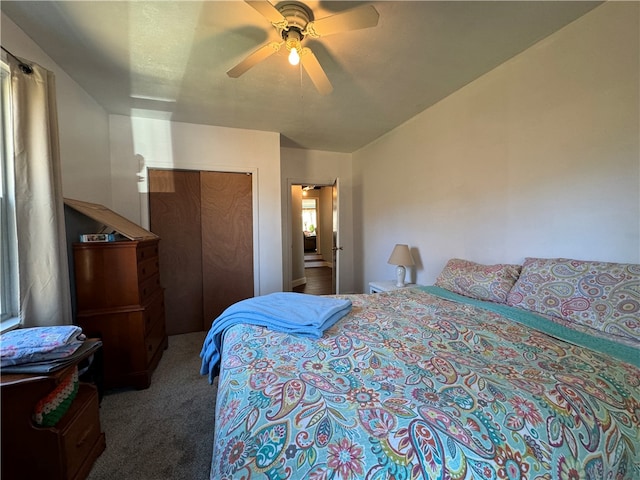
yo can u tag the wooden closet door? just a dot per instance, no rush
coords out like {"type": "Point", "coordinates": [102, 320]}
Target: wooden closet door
{"type": "Point", "coordinates": [174, 211]}
{"type": "Point", "coordinates": [227, 241]}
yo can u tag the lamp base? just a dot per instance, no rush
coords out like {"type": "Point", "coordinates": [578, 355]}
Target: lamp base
{"type": "Point", "coordinates": [400, 271]}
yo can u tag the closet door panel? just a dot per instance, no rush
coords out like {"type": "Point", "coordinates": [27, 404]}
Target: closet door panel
{"type": "Point", "coordinates": [174, 210]}
{"type": "Point", "coordinates": [227, 241]}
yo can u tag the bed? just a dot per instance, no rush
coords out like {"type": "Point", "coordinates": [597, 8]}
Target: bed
{"type": "Point", "coordinates": [496, 372]}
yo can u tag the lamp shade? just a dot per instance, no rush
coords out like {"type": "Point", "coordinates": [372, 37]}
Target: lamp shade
{"type": "Point", "coordinates": [401, 255]}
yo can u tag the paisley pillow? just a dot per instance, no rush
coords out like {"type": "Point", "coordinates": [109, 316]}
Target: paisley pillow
{"type": "Point", "coordinates": [484, 282]}
{"type": "Point", "coordinates": [600, 295]}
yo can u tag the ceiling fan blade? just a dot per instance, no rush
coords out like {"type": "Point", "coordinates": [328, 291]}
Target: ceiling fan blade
{"type": "Point", "coordinates": [361, 17]}
{"type": "Point", "coordinates": [315, 72]}
{"type": "Point", "coordinates": [256, 57]}
{"type": "Point", "coordinates": [268, 11]}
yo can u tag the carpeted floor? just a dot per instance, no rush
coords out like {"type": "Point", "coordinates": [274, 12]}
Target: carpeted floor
{"type": "Point", "coordinates": [165, 431]}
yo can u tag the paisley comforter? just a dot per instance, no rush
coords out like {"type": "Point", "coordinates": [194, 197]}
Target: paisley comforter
{"type": "Point", "coordinates": [413, 385]}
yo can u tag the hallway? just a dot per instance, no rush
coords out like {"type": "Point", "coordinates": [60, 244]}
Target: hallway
{"type": "Point", "coordinates": [318, 281]}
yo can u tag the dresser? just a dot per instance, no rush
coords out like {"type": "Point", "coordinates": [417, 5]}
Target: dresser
{"type": "Point", "coordinates": [120, 300]}
{"type": "Point", "coordinates": [65, 451]}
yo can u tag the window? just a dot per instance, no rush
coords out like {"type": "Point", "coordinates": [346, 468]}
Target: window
{"type": "Point", "coordinates": [9, 300]}
{"type": "Point", "coordinates": [309, 216]}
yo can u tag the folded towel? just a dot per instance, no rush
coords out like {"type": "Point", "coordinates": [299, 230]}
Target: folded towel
{"type": "Point", "coordinates": [25, 345]}
{"type": "Point", "coordinates": [296, 313]}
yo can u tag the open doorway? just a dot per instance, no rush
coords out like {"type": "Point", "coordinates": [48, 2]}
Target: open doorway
{"type": "Point", "coordinates": [311, 227]}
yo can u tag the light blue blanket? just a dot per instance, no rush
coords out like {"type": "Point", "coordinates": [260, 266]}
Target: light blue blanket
{"type": "Point", "coordinates": [296, 313]}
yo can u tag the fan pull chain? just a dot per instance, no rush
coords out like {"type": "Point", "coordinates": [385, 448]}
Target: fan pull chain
{"type": "Point", "coordinates": [301, 90]}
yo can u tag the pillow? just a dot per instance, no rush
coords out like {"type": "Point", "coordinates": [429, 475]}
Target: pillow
{"type": "Point", "coordinates": [484, 282]}
{"type": "Point", "coordinates": [600, 295]}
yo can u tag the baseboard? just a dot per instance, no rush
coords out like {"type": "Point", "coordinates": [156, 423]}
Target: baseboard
{"type": "Point", "coordinates": [298, 282]}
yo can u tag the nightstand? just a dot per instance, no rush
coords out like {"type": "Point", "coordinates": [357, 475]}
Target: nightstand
{"type": "Point", "coordinates": [387, 286]}
{"type": "Point", "coordinates": [65, 451]}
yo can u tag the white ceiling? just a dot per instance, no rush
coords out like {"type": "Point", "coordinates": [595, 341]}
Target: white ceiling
{"type": "Point", "coordinates": [168, 59]}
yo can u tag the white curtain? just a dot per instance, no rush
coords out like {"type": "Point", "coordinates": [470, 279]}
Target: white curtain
{"type": "Point", "coordinates": [43, 268]}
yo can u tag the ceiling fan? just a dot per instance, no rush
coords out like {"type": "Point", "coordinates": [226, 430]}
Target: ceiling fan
{"type": "Point", "coordinates": [294, 21]}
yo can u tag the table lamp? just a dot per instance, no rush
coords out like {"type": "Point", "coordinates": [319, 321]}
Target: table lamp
{"type": "Point", "coordinates": [401, 256]}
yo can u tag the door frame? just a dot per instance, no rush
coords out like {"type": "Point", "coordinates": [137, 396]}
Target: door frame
{"type": "Point", "coordinates": [287, 255]}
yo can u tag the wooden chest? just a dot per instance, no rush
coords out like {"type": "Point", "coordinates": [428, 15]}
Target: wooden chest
{"type": "Point", "coordinates": [120, 299]}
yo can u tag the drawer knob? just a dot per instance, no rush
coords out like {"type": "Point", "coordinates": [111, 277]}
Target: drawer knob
{"type": "Point", "coordinates": [84, 436]}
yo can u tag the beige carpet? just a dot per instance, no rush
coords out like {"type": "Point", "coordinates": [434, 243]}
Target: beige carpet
{"type": "Point", "coordinates": [165, 431]}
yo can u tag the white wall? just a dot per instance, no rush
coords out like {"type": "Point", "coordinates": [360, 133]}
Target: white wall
{"type": "Point", "coordinates": [538, 157]}
{"type": "Point", "coordinates": [325, 223]}
{"type": "Point", "coordinates": [140, 143]}
{"type": "Point", "coordinates": [82, 123]}
{"type": "Point", "coordinates": [316, 167]}
{"type": "Point", "coordinates": [297, 242]}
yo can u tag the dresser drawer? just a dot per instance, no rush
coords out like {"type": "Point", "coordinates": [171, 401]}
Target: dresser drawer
{"type": "Point", "coordinates": [148, 288]}
{"type": "Point", "coordinates": [80, 435]}
{"type": "Point", "coordinates": [154, 340]}
{"type": "Point", "coordinates": [145, 252]}
{"type": "Point", "coordinates": [148, 268]}
{"type": "Point", "coordinates": [154, 312]}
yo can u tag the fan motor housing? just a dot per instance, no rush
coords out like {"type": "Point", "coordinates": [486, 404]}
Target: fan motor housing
{"type": "Point", "coordinates": [298, 15]}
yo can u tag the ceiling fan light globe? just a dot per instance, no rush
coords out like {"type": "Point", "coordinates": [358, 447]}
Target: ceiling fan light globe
{"type": "Point", "coordinates": [294, 57]}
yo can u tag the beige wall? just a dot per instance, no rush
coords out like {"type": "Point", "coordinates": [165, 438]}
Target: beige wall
{"type": "Point", "coordinates": [325, 223]}
{"type": "Point", "coordinates": [83, 124]}
{"type": "Point", "coordinates": [538, 157]}
{"type": "Point", "coordinates": [158, 143]}
{"type": "Point", "coordinates": [297, 242]}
